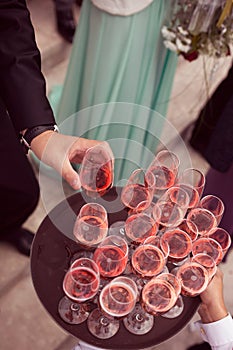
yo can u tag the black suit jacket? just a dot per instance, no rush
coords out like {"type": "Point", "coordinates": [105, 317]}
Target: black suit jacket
{"type": "Point", "coordinates": [22, 85]}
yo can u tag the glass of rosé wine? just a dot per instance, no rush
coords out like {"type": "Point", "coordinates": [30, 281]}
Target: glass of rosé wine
{"type": "Point", "coordinates": [138, 192]}
{"type": "Point", "coordinates": [140, 226]}
{"type": "Point", "coordinates": [203, 219]}
{"type": "Point", "coordinates": [111, 256]}
{"type": "Point", "coordinates": [164, 167]}
{"type": "Point", "coordinates": [193, 194]}
{"type": "Point", "coordinates": [208, 246]}
{"type": "Point", "coordinates": [214, 205]}
{"type": "Point", "coordinates": [180, 245]}
{"type": "Point", "coordinates": [171, 207]}
{"type": "Point", "coordinates": [178, 308]}
{"type": "Point", "coordinates": [80, 284]}
{"type": "Point", "coordinates": [117, 299]}
{"type": "Point", "coordinates": [207, 261]}
{"type": "Point", "coordinates": [193, 178]}
{"type": "Point", "coordinates": [97, 170]}
{"type": "Point", "coordinates": [222, 237]}
{"type": "Point", "coordinates": [194, 278]}
{"type": "Point", "coordinates": [190, 228]}
{"type": "Point", "coordinates": [91, 225]}
{"type": "Point", "coordinates": [148, 260]}
{"type": "Point", "coordinates": [158, 296]}
{"type": "Point", "coordinates": [156, 241]}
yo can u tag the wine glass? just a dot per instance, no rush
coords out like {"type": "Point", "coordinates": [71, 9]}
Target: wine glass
{"type": "Point", "coordinates": [178, 308]}
{"type": "Point", "coordinates": [137, 194]}
{"type": "Point", "coordinates": [158, 296]}
{"type": "Point", "coordinates": [203, 219]}
{"type": "Point", "coordinates": [214, 205]}
{"type": "Point", "coordinates": [207, 261]}
{"type": "Point", "coordinates": [180, 245]}
{"type": "Point", "coordinates": [138, 321]}
{"type": "Point", "coordinates": [91, 225]}
{"type": "Point", "coordinates": [171, 207]}
{"type": "Point", "coordinates": [80, 284]}
{"type": "Point", "coordinates": [194, 278]}
{"type": "Point", "coordinates": [194, 178]}
{"type": "Point", "coordinates": [208, 246]}
{"type": "Point", "coordinates": [165, 168]}
{"type": "Point", "coordinates": [190, 228]}
{"type": "Point", "coordinates": [222, 237]}
{"type": "Point", "coordinates": [96, 172]}
{"type": "Point", "coordinates": [157, 241]}
{"type": "Point", "coordinates": [140, 226]}
{"type": "Point", "coordinates": [111, 256]}
{"type": "Point", "coordinates": [148, 260]}
{"type": "Point", "coordinates": [117, 228]}
{"type": "Point", "coordinates": [117, 299]}
{"type": "Point", "coordinates": [193, 194]}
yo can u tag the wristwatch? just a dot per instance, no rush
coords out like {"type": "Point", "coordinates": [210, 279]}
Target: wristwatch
{"type": "Point", "coordinates": [31, 133]}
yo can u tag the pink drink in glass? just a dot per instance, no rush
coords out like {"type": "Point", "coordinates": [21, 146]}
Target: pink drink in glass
{"type": "Point", "coordinates": [91, 225]}
{"type": "Point", "coordinates": [180, 244]}
{"type": "Point", "coordinates": [81, 283]}
{"type": "Point", "coordinates": [148, 260]}
{"type": "Point", "coordinates": [194, 278]}
{"type": "Point", "coordinates": [214, 205]}
{"type": "Point", "coordinates": [111, 256]}
{"type": "Point", "coordinates": [140, 226]}
{"type": "Point", "coordinates": [118, 297]}
{"type": "Point", "coordinates": [96, 173]}
{"type": "Point", "coordinates": [208, 246]}
{"type": "Point", "coordinates": [158, 296]}
{"type": "Point", "coordinates": [164, 168]}
{"type": "Point", "coordinates": [222, 237]}
{"type": "Point", "coordinates": [137, 194]}
{"type": "Point", "coordinates": [203, 219]}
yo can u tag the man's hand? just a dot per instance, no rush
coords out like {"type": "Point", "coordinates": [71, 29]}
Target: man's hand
{"type": "Point", "coordinates": [213, 307]}
{"type": "Point", "coordinates": [59, 151]}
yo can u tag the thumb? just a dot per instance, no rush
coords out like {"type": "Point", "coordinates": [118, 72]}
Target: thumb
{"type": "Point", "coordinates": [70, 175]}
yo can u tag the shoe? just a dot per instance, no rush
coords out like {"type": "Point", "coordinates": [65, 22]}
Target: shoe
{"type": "Point", "coordinates": [66, 24]}
{"type": "Point", "coordinates": [21, 239]}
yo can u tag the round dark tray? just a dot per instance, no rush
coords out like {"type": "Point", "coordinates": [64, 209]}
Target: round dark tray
{"type": "Point", "coordinates": [52, 250]}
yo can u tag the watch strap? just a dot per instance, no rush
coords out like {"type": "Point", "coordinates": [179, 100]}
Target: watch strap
{"type": "Point", "coordinates": [35, 131]}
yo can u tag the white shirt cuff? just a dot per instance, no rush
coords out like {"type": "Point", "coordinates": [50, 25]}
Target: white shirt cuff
{"type": "Point", "coordinates": [217, 333]}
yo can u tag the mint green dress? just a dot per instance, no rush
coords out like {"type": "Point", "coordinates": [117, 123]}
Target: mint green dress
{"type": "Point", "coordinates": [119, 60]}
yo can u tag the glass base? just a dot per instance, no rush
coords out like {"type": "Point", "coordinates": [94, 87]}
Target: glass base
{"type": "Point", "coordinates": [71, 312]}
{"type": "Point", "coordinates": [138, 321]}
{"type": "Point", "coordinates": [176, 310]}
{"type": "Point", "coordinates": [102, 326]}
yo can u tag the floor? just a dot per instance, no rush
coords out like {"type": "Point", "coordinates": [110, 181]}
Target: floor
{"type": "Point", "coordinates": [24, 323]}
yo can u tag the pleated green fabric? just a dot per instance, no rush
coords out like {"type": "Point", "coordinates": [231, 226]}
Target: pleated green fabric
{"type": "Point", "coordinates": [119, 59]}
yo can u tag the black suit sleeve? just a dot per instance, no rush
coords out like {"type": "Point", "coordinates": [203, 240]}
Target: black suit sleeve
{"type": "Point", "coordinates": [22, 85]}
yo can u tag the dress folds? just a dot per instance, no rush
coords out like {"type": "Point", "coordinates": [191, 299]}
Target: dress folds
{"type": "Point", "coordinates": [119, 59]}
